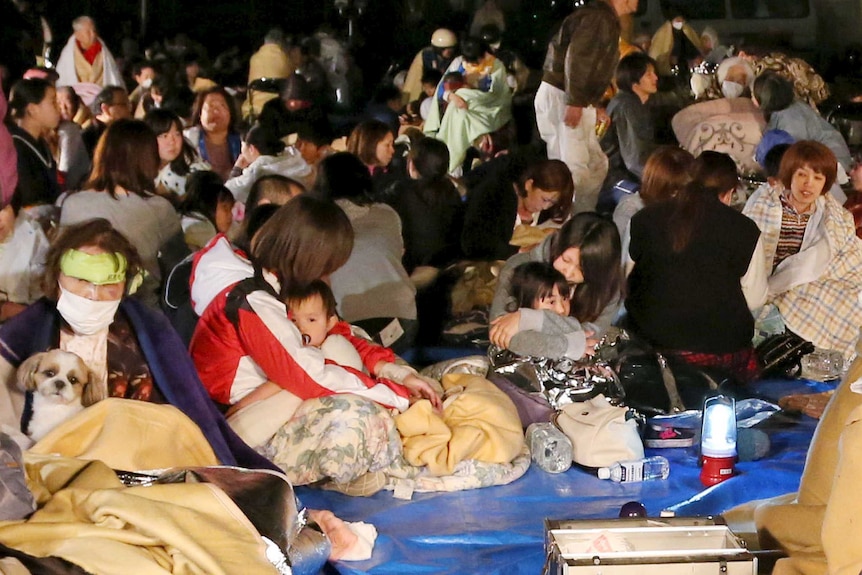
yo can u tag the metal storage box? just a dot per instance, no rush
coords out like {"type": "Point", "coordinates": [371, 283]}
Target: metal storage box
{"type": "Point", "coordinates": [645, 546]}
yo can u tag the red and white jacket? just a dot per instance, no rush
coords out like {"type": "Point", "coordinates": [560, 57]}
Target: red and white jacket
{"type": "Point", "coordinates": [265, 345]}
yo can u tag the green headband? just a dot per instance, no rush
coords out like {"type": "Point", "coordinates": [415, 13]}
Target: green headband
{"type": "Point", "coordinates": [98, 269]}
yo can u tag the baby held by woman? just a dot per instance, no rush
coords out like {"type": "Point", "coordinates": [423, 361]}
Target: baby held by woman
{"type": "Point", "coordinates": [313, 310]}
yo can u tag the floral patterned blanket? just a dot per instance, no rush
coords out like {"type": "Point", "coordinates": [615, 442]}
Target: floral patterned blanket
{"type": "Point", "coordinates": [342, 437]}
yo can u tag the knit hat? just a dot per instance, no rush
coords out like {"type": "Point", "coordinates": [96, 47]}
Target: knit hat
{"type": "Point", "coordinates": [770, 139]}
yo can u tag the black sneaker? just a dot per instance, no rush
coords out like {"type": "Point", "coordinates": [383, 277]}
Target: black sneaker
{"type": "Point", "coordinates": [658, 436]}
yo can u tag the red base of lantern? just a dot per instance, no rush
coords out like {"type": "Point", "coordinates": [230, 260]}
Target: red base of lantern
{"type": "Point", "coordinates": [716, 469]}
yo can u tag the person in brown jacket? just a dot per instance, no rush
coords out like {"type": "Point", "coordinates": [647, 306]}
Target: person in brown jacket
{"type": "Point", "coordinates": [579, 65]}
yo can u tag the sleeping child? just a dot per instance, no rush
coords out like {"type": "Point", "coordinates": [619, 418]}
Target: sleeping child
{"type": "Point", "coordinates": [546, 330]}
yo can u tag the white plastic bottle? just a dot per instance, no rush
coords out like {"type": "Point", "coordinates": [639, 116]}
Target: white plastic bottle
{"type": "Point", "coordinates": [656, 467]}
{"type": "Point", "coordinates": [549, 447]}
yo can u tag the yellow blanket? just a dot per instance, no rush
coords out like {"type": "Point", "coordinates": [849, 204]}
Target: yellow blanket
{"type": "Point", "coordinates": [130, 435]}
{"type": "Point", "coordinates": [818, 527]}
{"type": "Point", "coordinates": [87, 517]}
{"type": "Point", "coordinates": [478, 422]}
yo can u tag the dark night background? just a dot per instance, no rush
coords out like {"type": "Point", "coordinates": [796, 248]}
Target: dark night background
{"type": "Point", "coordinates": [386, 30]}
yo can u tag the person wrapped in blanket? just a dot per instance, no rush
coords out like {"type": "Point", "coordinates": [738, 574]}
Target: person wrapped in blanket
{"type": "Point", "coordinates": [317, 409]}
{"type": "Point", "coordinates": [586, 251]}
{"type": "Point", "coordinates": [481, 106]}
{"type": "Point", "coordinates": [91, 272]}
{"type": "Point", "coordinates": [811, 254]}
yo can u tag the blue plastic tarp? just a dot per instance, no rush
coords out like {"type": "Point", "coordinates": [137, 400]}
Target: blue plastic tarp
{"type": "Point", "coordinates": [500, 530]}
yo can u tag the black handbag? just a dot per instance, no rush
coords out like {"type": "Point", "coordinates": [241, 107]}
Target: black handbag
{"type": "Point", "coordinates": [658, 384]}
{"type": "Point", "coordinates": [780, 355]}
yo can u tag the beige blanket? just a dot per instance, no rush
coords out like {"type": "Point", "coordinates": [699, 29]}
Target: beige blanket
{"type": "Point", "coordinates": [87, 517]}
{"type": "Point", "coordinates": [478, 422]}
{"type": "Point", "coordinates": [130, 435]}
{"type": "Point", "coordinates": [818, 527]}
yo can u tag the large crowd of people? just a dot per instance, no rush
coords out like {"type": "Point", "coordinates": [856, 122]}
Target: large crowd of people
{"type": "Point", "coordinates": [291, 222]}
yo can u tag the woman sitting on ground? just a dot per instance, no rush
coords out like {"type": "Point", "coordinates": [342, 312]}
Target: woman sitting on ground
{"type": "Point", "coordinates": [513, 191]}
{"type": "Point", "coordinates": [177, 158]}
{"type": "Point", "coordinates": [91, 271]}
{"type": "Point", "coordinates": [245, 339]}
{"type": "Point", "coordinates": [372, 288]}
{"type": "Point", "coordinates": [33, 107]}
{"type": "Point", "coordinates": [430, 208]}
{"type": "Point", "coordinates": [372, 142]}
{"type": "Point", "coordinates": [697, 273]}
{"type": "Point", "coordinates": [586, 250]}
{"type": "Point", "coordinates": [666, 172]}
{"type": "Point", "coordinates": [482, 105]}
{"type": "Point", "coordinates": [213, 132]}
{"type": "Point", "coordinates": [121, 189]}
{"type": "Point", "coordinates": [811, 253]}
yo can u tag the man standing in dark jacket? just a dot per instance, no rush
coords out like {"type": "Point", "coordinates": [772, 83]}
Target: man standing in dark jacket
{"type": "Point", "coordinates": [580, 63]}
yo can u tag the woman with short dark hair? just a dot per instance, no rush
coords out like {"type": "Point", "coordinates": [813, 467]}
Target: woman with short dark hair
{"type": "Point", "coordinates": [121, 189]}
{"type": "Point", "coordinates": [630, 138]}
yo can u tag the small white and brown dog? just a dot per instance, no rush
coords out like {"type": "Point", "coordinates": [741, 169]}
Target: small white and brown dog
{"type": "Point", "coordinates": [62, 385]}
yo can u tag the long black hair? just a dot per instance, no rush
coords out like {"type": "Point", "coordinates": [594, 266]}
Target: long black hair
{"type": "Point", "coordinates": [601, 255]}
{"type": "Point", "coordinates": [161, 120]}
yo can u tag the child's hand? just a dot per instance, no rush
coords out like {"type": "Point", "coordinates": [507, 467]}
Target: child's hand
{"type": "Point", "coordinates": [504, 328]}
{"type": "Point", "coordinates": [421, 389]}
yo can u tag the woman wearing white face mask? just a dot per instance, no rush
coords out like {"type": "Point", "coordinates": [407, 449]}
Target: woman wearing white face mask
{"type": "Point", "coordinates": [731, 124]}
{"type": "Point", "coordinates": [133, 351]}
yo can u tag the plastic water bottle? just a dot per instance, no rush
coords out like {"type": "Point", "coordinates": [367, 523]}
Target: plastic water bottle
{"type": "Point", "coordinates": [656, 467]}
{"type": "Point", "coordinates": [822, 364]}
{"type": "Point", "coordinates": [549, 447]}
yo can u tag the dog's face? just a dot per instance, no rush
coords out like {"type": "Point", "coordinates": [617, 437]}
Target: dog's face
{"type": "Point", "coordinates": [59, 376]}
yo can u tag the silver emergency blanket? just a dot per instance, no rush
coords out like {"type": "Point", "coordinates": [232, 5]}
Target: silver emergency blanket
{"type": "Point", "coordinates": [562, 381]}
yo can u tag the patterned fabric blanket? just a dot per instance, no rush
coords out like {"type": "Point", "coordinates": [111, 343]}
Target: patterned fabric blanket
{"type": "Point", "coordinates": [342, 437]}
{"type": "Point", "coordinates": [826, 311]}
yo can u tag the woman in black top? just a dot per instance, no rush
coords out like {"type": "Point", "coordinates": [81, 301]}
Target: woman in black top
{"type": "Point", "coordinates": [430, 208]}
{"type": "Point", "coordinates": [693, 282]}
{"type": "Point", "coordinates": [33, 106]}
{"type": "Point", "coordinates": [511, 192]}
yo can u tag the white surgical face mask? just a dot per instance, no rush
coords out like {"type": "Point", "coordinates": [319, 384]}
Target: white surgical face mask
{"type": "Point", "coordinates": [147, 83]}
{"type": "Point", "coordinates": [731, 89]}
{"type": "Point", "coordinates": [86, 316]}
{"type": "Point", "coordinates": [677, 25]}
